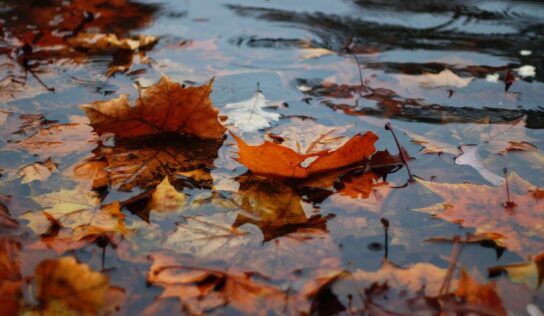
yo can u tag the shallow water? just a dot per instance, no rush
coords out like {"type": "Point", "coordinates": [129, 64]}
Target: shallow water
{"type": "Point", "coordinates": [382, 51]}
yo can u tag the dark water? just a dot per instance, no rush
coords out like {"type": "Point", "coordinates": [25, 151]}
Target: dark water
{"type": "Point", "coordinates": [381, 51]}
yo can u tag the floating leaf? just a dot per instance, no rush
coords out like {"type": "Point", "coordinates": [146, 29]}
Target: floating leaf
{"type": "Point", "coordinates": [38, 171]}
{"type": "Point", "coordinates": [249, 115]}
{"type": "Point", "coordinates": [165, 107]}
{"type": "Point", "coordinates": [276, 160]}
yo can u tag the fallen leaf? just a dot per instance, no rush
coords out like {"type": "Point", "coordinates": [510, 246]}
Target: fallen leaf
{"type": "Point", "coordinates": [209, 237]}
{"type": "Point", "coordinates": [165, 107]}
{"type": "Point", "coordinates": [107, 42]}
{"type": "Point", "coordinates": [273, 207]}
{"type": "Point", "coordinates": [530, 273]}
{"type": "Point", "coordinates": [276, 160]}
{"type": "Point", "coordinates": [305, 136]}
{"type": "Point", "coordinates": [81, 210]}
{"type": "Point", "coordinates": [59, 140]}
{"type": "Point", "coordinates": [145, 163]}
{"type": "Point", "coordinates": [203, 290]}
{"type": "Point", "coordinates": [483, 207]}
{"type": "Point", "coordinates": [65, 286]}
{"type": "Point", "coordinates": [479, 297]}
{"type": "Point", "coordinates": [92, 171]}
{"type": "Point", "coordinates": [249, 115]}
{"type": "Point", "coordinates": [38, 171]}
{"type": "Point", "coordinates": [166, 198]}
{"type": "Point", "coordinates": [313, 53]}
{"type": "Point", "coordinates": [470, 156]}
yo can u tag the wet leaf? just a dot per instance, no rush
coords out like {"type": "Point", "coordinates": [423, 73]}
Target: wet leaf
{"type": "Point", "coordinates": [65, 286]}
{"type": "Point", "coordinates": [38, 171]}
{"type": "Point", "coordinates": [277, 160]}
{"type": "Point", "coordinates": [250, 115]}
{"type": "Point", "coordinates": [81, 210]}
{"type": "Point", "coordinates": [166, 198]}
{"type": "Point", "coordinates": [108, 42]}
{"type": "Point", "coordinates": [483, 207]}
{"type": "Point", "coordinates": [203, 290]}
{"type": "Point", "coordinates": [273, 207]}
{"type": "Point", "coordinates": [59, 140]}
{"type": "Point", "coordinates": [165, 107]}
{"type": "Point", "coordinates": [143, 163]}
{"type": "Point", "coordinates": [481, 297]}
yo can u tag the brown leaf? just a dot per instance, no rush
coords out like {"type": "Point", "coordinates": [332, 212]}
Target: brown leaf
{"type": "Point", "coordinates": [108, 42]}
{"type": "Point", "coordinates": [203, 289]}
{"type": "Point", "coordinates": [483, 207]}
{"type": "Point", "coordinates": [276, 160]}
{"type": "Point", "coordinates": [165, 107]}
{"type": "Point", "coordinates": [273, 207]}
{"type": "Point", "coordinates": [145, 163]}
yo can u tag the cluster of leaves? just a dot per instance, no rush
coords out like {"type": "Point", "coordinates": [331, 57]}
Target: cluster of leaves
{"type": "Point", "coordinates": [149, 181]}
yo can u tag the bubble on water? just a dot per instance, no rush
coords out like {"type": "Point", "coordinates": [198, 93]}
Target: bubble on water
{"type": "Point", "coordinates": [527, 71]}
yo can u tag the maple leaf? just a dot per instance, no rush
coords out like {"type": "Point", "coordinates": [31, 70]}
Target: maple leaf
{"type": "Point", "coordinates": [165, 107]}
{"type": "Point", "coordinates": [81, 211]}
{"type": "Point", "coordinates": [202, 290]}
{"type": "Point", "coordinates": [249, 115]}
{"type": "Point", "coordinates": [530, 273]}
{"type": "Point", "coordinates": [145, 163]}
{"type": "Point", "coordinates": [297, 136]}
{"type": "Point", "coordinates": [38, 171]}
{"type": "Point", "coordinates": [483, 207]}
{"type": "Point", "coordinates": [277, 160]}
{"type": "Point", "coordinates": [58, 140]}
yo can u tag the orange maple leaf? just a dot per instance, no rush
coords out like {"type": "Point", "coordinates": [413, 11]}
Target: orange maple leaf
{"type": "Point", "coordinates": [277, 160]}
{"type": "Point", "coordinates": [165, 107]}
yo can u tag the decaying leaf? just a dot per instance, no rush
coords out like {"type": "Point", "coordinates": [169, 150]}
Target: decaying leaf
{"type": "Point", "coordinates": [530, 273]}
{"type": "Point", "coordinates": [444, 79]}
{"type": "Point", "coordinates": [277, 160]}
{"type": "Point", "coordinates": [249, 115]}
{"type": "Point", "coordinates": [484, 208]}
{"type": "Point", "coordinates": [38, 171]}
{"type": "Point", "coordinates": [166, 107]}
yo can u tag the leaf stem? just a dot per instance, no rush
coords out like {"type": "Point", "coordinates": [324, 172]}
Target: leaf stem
{"type": "Point", "coordinates": [389, 127]}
